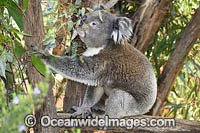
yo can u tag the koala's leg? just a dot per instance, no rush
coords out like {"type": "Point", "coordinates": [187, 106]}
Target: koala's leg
{"type": "Point", "coordinates": [99, 108]}
{"type": "Point", "coordinates": [120, 103]}
{"type": "Point", "coordinates": [92, 96]}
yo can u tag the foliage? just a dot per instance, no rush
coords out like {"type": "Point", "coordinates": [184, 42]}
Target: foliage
{"type": "Point", "coordinates": [17, 98]}
{"type": "Point", "coordinates": [184, 99]}
{"type": "Point", "coordinates": [12, 113]}
{"type": "Point", "coordinates": [11, 48]}
{"type": "Point", "coordinates": [62, 19]}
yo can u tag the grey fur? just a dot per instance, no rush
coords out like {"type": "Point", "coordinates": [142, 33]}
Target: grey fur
{"type": "Point", "coordinates": [117, 69]}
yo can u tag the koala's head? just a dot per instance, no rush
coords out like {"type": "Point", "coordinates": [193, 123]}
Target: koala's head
{"type": "Point", "coordinates": [100, 27]}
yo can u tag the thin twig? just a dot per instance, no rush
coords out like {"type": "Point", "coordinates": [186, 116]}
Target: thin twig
{"type": "Point", "coordinates": [19, 62]}
{"type": "Point", "coordinates": [20, 70]}
{"type": "Point", "coordinates": [13, 76]}
{"type": "Point", "coordinates": [7, 89]}
{"type": "Point", "coordinates": [22, 76]}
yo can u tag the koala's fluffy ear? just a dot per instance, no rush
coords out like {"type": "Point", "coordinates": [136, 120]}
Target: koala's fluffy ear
{"type": "Point", "coordinates": [122, 30]}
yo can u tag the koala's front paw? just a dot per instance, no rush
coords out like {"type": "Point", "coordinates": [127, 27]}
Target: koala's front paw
{"type": "Point", "coordinates": [81, 111]}
{"type": "Point", "coordinates": [34, 50]}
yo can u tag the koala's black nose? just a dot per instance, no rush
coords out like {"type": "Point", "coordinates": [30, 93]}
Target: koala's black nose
{"type": "Point", "coordinates": [83, 19]}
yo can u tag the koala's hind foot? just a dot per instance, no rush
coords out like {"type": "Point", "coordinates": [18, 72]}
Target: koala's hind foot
{"type": "Point", "coordinates": [84, 111]}
{"type": "Point", "coordinates": [120, 104]}
{"type": "Point", "coordinates": [92, 96]}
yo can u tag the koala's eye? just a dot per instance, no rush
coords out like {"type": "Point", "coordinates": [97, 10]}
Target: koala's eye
{"type": "Point", "coordinates": [93, 23]}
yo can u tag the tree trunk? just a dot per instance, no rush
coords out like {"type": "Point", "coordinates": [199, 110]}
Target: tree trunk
{"type": "Point", "coordinates": [176, 60]}
{"type": "Point", "coordinates": [146, 22]}
{"type": "Point", "coordinates": [33, 25]}
{"type": "Point", "coordinates": [75, 91]}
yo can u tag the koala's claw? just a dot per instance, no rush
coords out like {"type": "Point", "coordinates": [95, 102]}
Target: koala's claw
{"type": "Point", "coordinates": [81, 111]}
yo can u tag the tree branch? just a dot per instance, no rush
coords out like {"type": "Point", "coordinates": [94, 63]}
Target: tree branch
{"type": "Point", "coordinates": [110, 4]}
{"type": "Point", "coordinates": [146, 22]}
{"type": "Point", "coordinates": [180, 124]}
{"type": "Point", "coordinates": [176, 61]}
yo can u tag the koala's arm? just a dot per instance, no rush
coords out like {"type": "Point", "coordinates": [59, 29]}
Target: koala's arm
{"type": "Point", "coordinates": [83, 72]}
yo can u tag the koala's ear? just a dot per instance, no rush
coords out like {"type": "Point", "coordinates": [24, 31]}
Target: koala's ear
{"type": "Point", "coordinates": [98, 7]}
{"type": "Point", "coordinates": [122, 30]}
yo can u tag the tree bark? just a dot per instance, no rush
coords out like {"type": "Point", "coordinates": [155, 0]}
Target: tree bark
{"type": "Point", "coordinates": [176, 61]}
{"type": "Point", "coordinates": [75, 91]}
{"type": "Point", "coordinates": [33, 25]}
{"type": "Point", "coordinates": [110, 4]}
{"type": "Point", "coordinates": [179, 125]}
{"type": "Point", "coordinates": [146, 22]}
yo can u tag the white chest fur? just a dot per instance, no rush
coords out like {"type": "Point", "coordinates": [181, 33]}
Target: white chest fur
{"type": "Point", "coordinates": [92, 51]}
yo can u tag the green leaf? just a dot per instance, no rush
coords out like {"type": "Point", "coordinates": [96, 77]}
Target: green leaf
{"type": "Point", "coordinates": [10, 78]}
{"type": "Point", "coordinates": [2, 3]}
{"type": "Point", "coordinates": [9, 57]}
{"type": "Point", "coordinates": [25, 5]}
{"type": "Point", "coordinates": [70, 25]}
{"type": "Point", "coordinates": [20, 89]}
{"type": "Point", "coordinates": [181, 75]}
{"type": "Point", "coordinates": [48, 40]}
{"type": "Point", "coordinates": [81, 59]}
{"type": "Point", "coordinates": [78, 2]}
{"type": "Point", "coordinates": [19, 50]}
{"type": "Point", "coordinates": [89, 9]}
{"type": "Point", "coordinates": [2, 66]}
{"type": "Point", "coordinates": [53, 58]}
{"type": "Point", "coordinates": [16, 16]}
{"type": "Point", "coordinates": [18, 32]}
{"type": "Point", "coordinates": [78, 23]}
{"type": "Point", "coordinates": [3, 21]}
{"type": "Point", "coordinates": [39, 65]}
{"type": "Point", "coordinates": [24, 34]}
{"type": "Point", "coordinates": [83, 11]}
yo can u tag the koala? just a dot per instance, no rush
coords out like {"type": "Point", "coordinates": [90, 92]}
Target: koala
{"type": "Point", "coordinates": [110, 66]}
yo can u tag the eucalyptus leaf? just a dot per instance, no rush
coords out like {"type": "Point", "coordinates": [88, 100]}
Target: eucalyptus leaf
{"type": "Point", "coordinates": [81, 59]}
{"type": "Point", "coordinates": [19, 50]}
{"type": "Point", "coordinates": [3, 21]}
{"type": "Point", "coordinates": [16, 16]}
{"type": "Point", "coordinates": [19, 32]}
{"type": "Point", "coordinates": [182, 77]}
{"type": "Point", "coordinates": [9, 57]}
{"type": "Point", "coordinates": [39, 65]}
{"type": "Point", "coordinates": [2, 66]}
{"type": "Point", "coordinates": [78, 2]}
{"type": "Point", "coordinates": [83, 11]}
{"type": "Point", "coordinates": [25, 4]}
{"type": "Point", "coordinates": [2, 3]}
{"type": "Point", "coordinates": [70, 25]}
{"type": "Point", "coordinates": [48, 40]}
